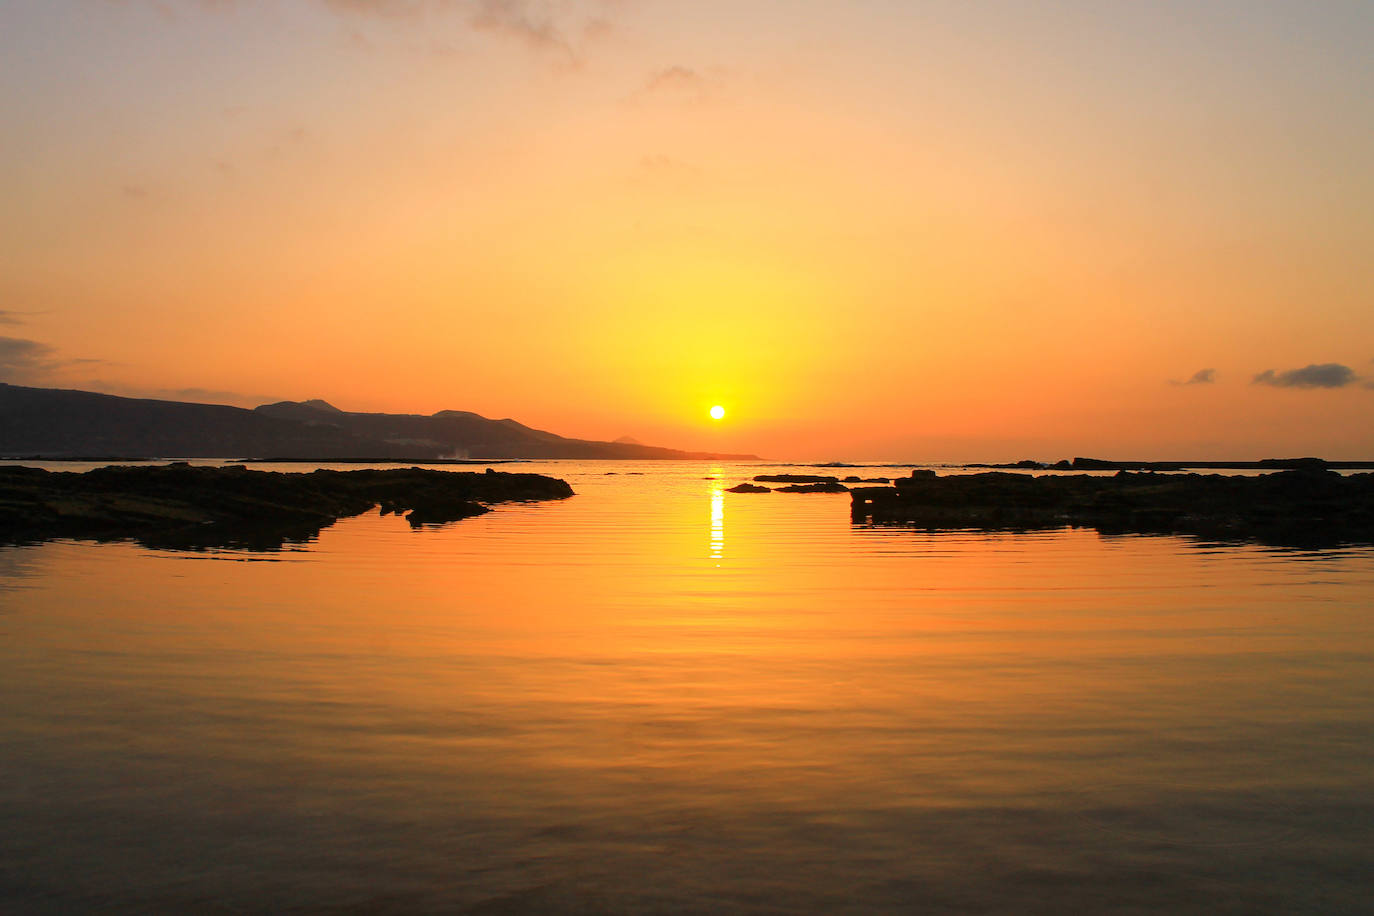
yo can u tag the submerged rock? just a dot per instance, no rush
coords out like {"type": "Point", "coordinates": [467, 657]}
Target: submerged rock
{"type": "Point", "coordinates": [748, 488]}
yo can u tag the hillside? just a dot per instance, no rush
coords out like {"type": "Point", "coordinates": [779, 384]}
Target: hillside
{"type": "Point", "coordinates": [57, 423]}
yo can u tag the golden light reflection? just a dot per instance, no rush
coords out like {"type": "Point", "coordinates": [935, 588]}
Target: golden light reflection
{"type": "Point", "coordinates": [717, 523]}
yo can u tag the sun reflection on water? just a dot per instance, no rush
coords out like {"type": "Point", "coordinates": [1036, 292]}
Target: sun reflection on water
{"type": "Point", "coordinates": [717, 523]}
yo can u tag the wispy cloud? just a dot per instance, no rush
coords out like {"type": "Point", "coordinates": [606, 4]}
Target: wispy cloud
{"type": "Point", "coordinates": [389, 8]}
{"type": "Point", "coordinates": [677, 84]}
{"type": "Point", "coordinates": [675, 79]}
{"type": "Point", "coordinates": [1317, 375]}
{"type": "Point", "coordinates": [32, 362]}
{"type": "Point", "coordinates": [545, 26]}
{"type": "Point", "coordinates": [526, 22]}
{"type": "Point", "coordinates": [24, 360]}
{"type": "Point", "coordinates": [171, 9]}
{"type": "Point", "coordinates": [194, 395]}
{"type": "Point", "coordinates": [552, 27]}
{"type": "Point", "coordinates": [1200, 377]}
{"type": "Point", "coordinates": [8, 317]}
{"type": "Point", "coordinates": [681, 84]}
{"type": "Point", "coordinates": [213, 396]}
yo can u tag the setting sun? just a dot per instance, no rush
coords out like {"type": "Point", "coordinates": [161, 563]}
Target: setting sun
{"type": "Point", "coordinates": [717, 412]}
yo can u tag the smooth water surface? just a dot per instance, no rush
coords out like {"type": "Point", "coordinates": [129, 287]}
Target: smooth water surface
{"type": "Point", "coordinates": [658, 696]}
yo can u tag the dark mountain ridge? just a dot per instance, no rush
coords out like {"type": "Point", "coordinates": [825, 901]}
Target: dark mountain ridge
{"type": "Point", "coordinates": [60, 423]}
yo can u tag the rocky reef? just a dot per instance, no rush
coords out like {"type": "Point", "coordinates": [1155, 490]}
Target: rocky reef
{"type": "Point", "coordinates": [825, 487]}
{"type": "Point", "coordinates": [1310, 507]}
{"type": "Point", "coordinates": [180, 506]}
{"type": "Point", "coordinates": [1103, 464]}
{"type": "Point", "coordinates": [798, 483]}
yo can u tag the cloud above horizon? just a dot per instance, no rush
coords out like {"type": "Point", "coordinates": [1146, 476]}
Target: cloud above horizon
{"type": "Point", "coordinates": [516, 19]}
{"type": "Point", "coordinates": [24, 359]}
{"type": "Point", "coordinates": [539, 25]}
{"type": "Point", "coordinates": [194, 395]}
{"type": "Point", "coordinates": [678, 83]}
{"type": "Point", "coordinates": [1316, 375]}
{"type": "Point", "coordinates": [1200, 377]}
{"type": "Point", "coordinates": [375, 7]}
{"type": "Point", "coordinates": [676, 77]}
{"type": "Point", "coordinates": [545, 26]}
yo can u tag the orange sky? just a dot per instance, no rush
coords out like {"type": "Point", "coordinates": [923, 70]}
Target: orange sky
{"type": "Point", "coordinates": [881, 229]}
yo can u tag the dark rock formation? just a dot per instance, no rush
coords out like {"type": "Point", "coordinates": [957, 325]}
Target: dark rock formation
{"type": "Point", "coordinates": [1099, 464]}
{"type": "Point", "coordinates": [867, 480]}
{"type": "Point", "coordinates": [1299, 508]}
{"type": "Point", "coordinates": [748, 488]}
{"type": "Point", "coordinates": [1026, 464]}
{"type": "Point", "coordinates": [191, 507]}
{"type": "Point", "coordinates": [831, 487]}
{"type": "Point", "coordinates": [794, 478]}
{"type": "Point", "coordinates": [1102, 464]}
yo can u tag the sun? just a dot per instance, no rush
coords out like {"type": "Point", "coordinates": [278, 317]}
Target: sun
{"type": "Point", "coordinates": [717, 412]}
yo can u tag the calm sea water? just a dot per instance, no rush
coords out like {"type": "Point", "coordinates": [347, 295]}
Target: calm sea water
{"type": "Point", "coordinates": [660, 697]}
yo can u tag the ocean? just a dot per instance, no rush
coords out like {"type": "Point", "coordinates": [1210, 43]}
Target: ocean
{"type": "Point", "coordinates": [660, 697]}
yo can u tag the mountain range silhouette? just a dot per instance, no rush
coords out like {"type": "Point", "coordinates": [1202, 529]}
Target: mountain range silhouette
{"type": "Point", "coordinates": [59, 423]}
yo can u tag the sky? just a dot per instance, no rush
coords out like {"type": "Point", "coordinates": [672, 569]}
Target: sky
{"type": "Point", "coordinates": [872, 230]}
